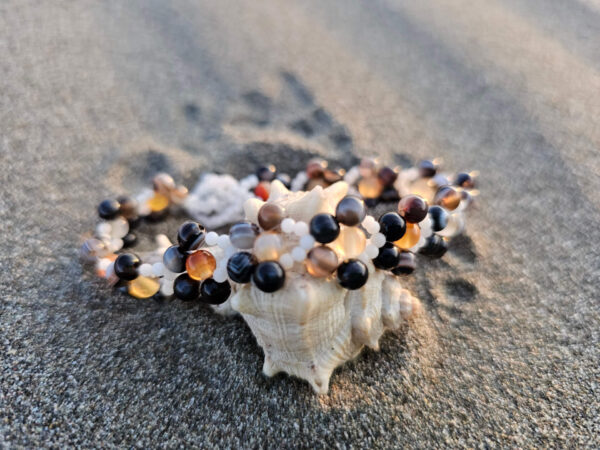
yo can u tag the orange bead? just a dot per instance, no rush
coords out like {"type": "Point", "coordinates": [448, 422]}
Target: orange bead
{"type": "Point", "coordinates": [200, 265]}
{"type": "Point", "coordinates": [143, 287]}
{"type": "Point", "coordinates": [350, 243]}
{"type": "Point", "coordinates": [410, 238]}
{"type": "Point", "coordinates": [370, 187]}
{"type": "Point", "coordinates": [158, 203]}
{"type": "Point", "coordinates": [262, 190]}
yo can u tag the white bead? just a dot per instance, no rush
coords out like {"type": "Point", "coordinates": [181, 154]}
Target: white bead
{"type": "Point", "coordinates": [115, 245]}
{"type": "Point", "coordinates": [378, 240]}
{"type": "Point", "coordinates": [230, 251]}
{"type": "Point", "coordinates": [169, 275]}
{"type": "Point", "coordinates": [287, 225]}
{"type": "Point", "coordinates": [211, 238]}
{"type": "Point", "coordinates": [307, 242]}
{"type": "Point", "coordinates": [286, 260]}
{"type": "Point", "coordinates": [166, 287]}
{"type": "Point", "coordinates": [298, 254]}
{"type": "Point", "coordinates": [110, 270]}
{"type": "Point", "coordinates": [103, 263]}
{"type": "Point", "coordinates": [372, 251]}
{"type": "Point", "coordinates": [119, 227]}
{"type": "Point", "coordinates": [146, 270]}
{"type": "Point", "coordinates": [103, 229]}
{"type": "Point", "coordinates": [223, 241]}
{"type": "Point", "coordinates": [220, 274]}
{"type": "Point", "coordinates": [158, 269]}
{"type": "Point", "coordinates": [372, 226]}
{"type": "Point", "coordinates": [300, 229]}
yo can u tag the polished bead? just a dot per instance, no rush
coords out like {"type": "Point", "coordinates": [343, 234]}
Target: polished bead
{"type": "Point", "coordinates": [307, 242]}
{"type": "Point", "coordinates": [370, 187]}
{"type": "Point", "coordinates": [410, 238]}
{"type": "Point", "coordinates": [287, 225]}
{"type": "Point", "coordinates": [439, 218]}
{"type": "Point", "coordinates": [174, 259]}
{"type": "Point", "coordinates": [378, 240]}
{"type": "Point", "coordinates": [211, 238]}
{"type": "Point", "coordinates": [143, 287]}
{"type": "Point", "coordinates": [179, 194]}
{"type": "Point", "coordinates": [200, 265]}
{"type": "Point", "coordinates": [324, 228]}
{"type": "Point", "coordinates": [186, 288]}
{"type": "Point", "coordinates": [163, 183]}
{"type": "Point", "coordinates": [129, 240]}
{"type": "Point", "coordinates": [371, 251]}
{"type": "Point", "coordinates": [321, 261]}
{"type": "Point", "coordinates": [126, 266]}
{"type": "Point", "coordinates": [333, 176]}
{"type": "Point", "coordinates": [350, 242]}
{"type": "Point", "coordinates": [243, 234]}
{"type": "Point", "coordinates": [298, 254]}
{"type": "Point", "coordinates": [350, 211]}
{"type": "Point", "coordinates": [220, 274]}
{"type": "Point", "coordinates": [388, 257]}
{"type": "Point", "coordinates": [315, 168]}
{"type": "Point", "coordinates": [158, 203]}
{"type": "Point", "coordinates": [387, 176]}
{"type": "Point", "coordinates": [406, 264]}
{"type": "Point", "coordinates": [240, 267]}
{"type": "Point", "coordinates": [367, 167]}
{"type": "Point", "coordinates": [268, 276]}
{"type": "Point", "coordinates": [270, 216]}
{"type": "Point", "coordinates": [190, 236]}
{"type": "Point", "coordinates": [262, 190]}
{"type": "Point", "coordinates": [435, 246]}
{"type": "Point", "coordinates": [213, 292]}
{"type": "Point", "coordinates": [314, 182]}
{"type": "Point", "coordinates": [464, 180]}
{"type": "Point", "coordinates": [108, 209]}
{"type": "Point", "coordinates": [268, 246]}
{"type": "Point", "coordinates": [392, 226]}
{"type": "Point", "coordinates": [413, 208]}
{"type": "Point", "coordinates": [119, 227]}
{"type": "Point", "coordinates": [448, 197]}
{"type": "Point", "coordinates": [301, 229]}
{"type": "Point", "coordinates": [266, 173]}
{"type": "Point", "coordinates": [371, 225]}
{"type": "Point", "coordinates": [352, 274]}
{"type": "Point", "coordinates": [427, 168]}
{"type": "Point", "coordinates": [127, 206]}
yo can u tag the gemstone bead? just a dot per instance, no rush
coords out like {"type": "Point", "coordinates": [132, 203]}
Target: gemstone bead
{"type": "Point", "coordinates": [324, 228]}
{"type": "Point", "coordinates": [439, 218]}
{"type": "Point", "coordinates": [262, 190]}
{"type": "Point", "coordinates": [268, 246]}
{"type": "Point", "coordinates": [435, 247]}
{"type": "Point", "coordinates": [200, 265]}
{"type": "Point", "coordinates": [243, 234]}
{"type": "Point", "coordinates": [413, 208]}
{"type": "Point", "coordinates": [387, 176]}
{"type": "Point", "coordinates": [174, 259]}
{"type": "Point", "coordinates": [448, 197]}
{"type": "Point", "coordinates": [410, 238]}
{"type": "Point", "coordinates": [240, 267]}
{"type": "Point", "coordinates": [126, 266]}
{"type": "Point", "coordinates": [332, 176]}
{"type": "Point", "coordinates": [370, 187]}
{"type": "Point", "coordinates": [392, 226]}
{"type": "Point", "coordinates": [269, 276]}
{"type": "Point", "coordinates": [427, 168]}
{"type": "Point", "coordinates": [186, 288]}
{"type": "Point", "coordinates": [350, 211]}
{"type": "Point", "coordinates": [367, 167]}
{"type": "Point", "coordinates": [352, 274]}
{"type": "Point", "coordinates": [158, 202]}
{"type": "Point", "coordinates": [108, 209]}
{"type": "Point", "coordinates": [423, 187]}
{"type": "Point", "coordinates": [143, 287]}
{"type": "Point", "coordinates": [350, 243]}
{"type": "Point", "coordinates": [214, 293]}
{"type": "Point", "coordinates": [388, 257]}
{"type": "Point", "coordinates": [464, 180]}
{"type": "Point", "coordinates": [321, 261]}
{"type": "Point", "coordinates": [190, 236]}
{"type": "Point", "coordinates": [406, 264]}
{"type": "Point", "coordinates": [270, 216]}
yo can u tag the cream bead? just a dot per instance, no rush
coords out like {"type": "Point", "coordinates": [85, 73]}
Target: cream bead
{"type": "Point", "coordinates": [287, 225]}
{"type": "Point", "coordinates": [299, 254]}
{"type": "Point", "coordinates": [145, 270]}
{"type": "Point", "coordinates": [211, 238]}
{"type": "Point", "coordinates": [286, 261]}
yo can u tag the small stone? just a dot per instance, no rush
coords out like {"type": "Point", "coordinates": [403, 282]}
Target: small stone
{"type": "Point", "coordinates": [371, 251]}
{"type": "Point", "coordinates": [439, 218]}
{"type": "Point", "coordinates": [129, 240]}
{"type": "Point", "coordinates": [448, 197]}
{"type": "Point", "coordinates": [268, 246]}
{"type": "Point", "coordinates": [270, 216]}
{"type": "Point", "coordinates": [427, 168]}
{"type": "Point", "coordinates": [352, 274]}
{"type": "Point", "coordinates": [212, 238]}
{"type": "Point", "coordinates": [174, 259]}
{"type": "Point", "coordinates": [300, 229]}
{"type": "Point", "coordinates": [435, 247]}
{"type": "Point", "coordinates": [190, 236]}
{"type": "Point", "coordinates": [287, 225]}
{"type": "Point", "coordinates": [158, 203]}
{"type": "Point", "coordinates": [370, 187]}
{"type": "Point", "coordinates": [200, 265]}
{"type": "Point", "coordinates": [350, 242]}
{"type": "Point", "coordinates": [321, 261]}
{"type": "Point", "coordinates": [298, 254]}
{"type": "Point", "coordinates": [350, 211]}
{"type": "Point", "coordinates": [223, 241]}
{"type": "Point", "coordinates": [388, 257]}
{"type": "Point", "coordinates": [392, 226]}
{"type": "Point", "coordinates": [307, 242]}
{"type": "Point", "coordinates": [286, 261]}
{"type": "Point", "coordinates": [464, 180]}
{"type": "Point", "coordinates": [119, 227]}
{"type": "Point", "coordinates": [378, 239]}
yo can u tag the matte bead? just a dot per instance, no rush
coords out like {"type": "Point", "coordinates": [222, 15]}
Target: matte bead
{"type": "Point", "coordinates": [427, 168]}
{"type": "Point", "coordinates": [387, 176]}
{"type": "Point", "coordinates": [435, 246]}
{"type": "Point", "coordinates": [352, 274]}
{"type": "Point", "coordinates": [200, 265]}
{"type": "Point", "coordinates": [127, 207]}
{"type": "Point", "coordinates": [262, 190]}
{"type": "Point", "coordinates": [108, 209]}
{"type": "Point", "coordinates": [321, 261]}
{"type": "Point", "coordinates": [269, 276]}
{"type": "Point", "coordinates": [350, 243]}
{"type": "Point", "coordinates": [370, 187]}
{"type": "Point", "coordinates": [350, 211]}
{"type": "Point", "coordinates": [190, 236]}
{"type": "Point", "coordinates": [158, 202]}
{"type": "Point", "coordinates": [126, 266]}
{"type": "Point", "coordinates": [448, 197]}
{"type": "Point", "coordinates": [392, 226]}
{"type": "Point", "coordinates": [324, 228]}
{"type": "Point", "coordinates": [174, 259]}
{"type": "Point", "coordinates": [270, 216]}
{"type": "Point", "coordinates": [268, 246]}
{"type": "Point", "coordinates": [266, 173]}
{"type": "Point", "coordinates": [406, 264]}
{"type": "Point", "coordinates": [240, 267]}
{"type": "Point", "coordinates": [243, 234]}
{"type": "Point", "coordinates": [464, 180]}
{"type": "Point", "coordinates": [388, 257]}
{"type": "Point", "coordinates": [129, 240]}
{"type": "Point", "coordinates": [214, 293]}
{"type": "Point", "coordinates": [410, 238]}
{"type": "Point", "coordinates": [413, 208]}
{"type": "Point", "coordinates": [439, 218]}
{"type": "Point", "coordinates": [143, 287]}
{"type": "Point", "coordinates": [186, 288]}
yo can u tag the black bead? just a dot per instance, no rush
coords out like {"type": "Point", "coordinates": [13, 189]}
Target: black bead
{"type": "Point", "coordinates": [406, 264]}
{"type": "Point", "coordinates": [190, 236]}
{"type": "Point", "coordinates": [435, 247]}
{"type": "Point", "coordinates": [285, 179]}
{"type": "Point", "coordinates": [126, 266]}
{"type": "Point", "coordinates": [214, 293]}
{"type": "Point", "coordinates": [129, 240]}
{"type": "Point", "coordinates": [465, 180]}
{"type": "Point", "coordinates": [174, 259]}
{"type": "Point", "coordinates": [439, 217]}
{"type": "Point", "coordinates": [265, 173]}
{"type": "Point", "coordinates": [352, 274]}
{"type": "Point", "coordinates": [427, 168]}
{"type": "Point", "coordinates": [324, 228]}
{"type": "Point", "coordinates": [240, 267]}
{"type": "Point", "coordinates": [268, 276]}
{"type": "Point", "coordinates": [388, 258]}
{"type": "Point", "coordinates": [185, 288]}
{"type": "Point", "coordinates": [392, 226]}
{"type": "Point", "coordinates": [108, 209]}
{"type": "Point", "coordinates": [134, 222]}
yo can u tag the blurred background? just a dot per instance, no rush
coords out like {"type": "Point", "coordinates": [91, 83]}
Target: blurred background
{"type": "Point", "coordinates": [96, 97]}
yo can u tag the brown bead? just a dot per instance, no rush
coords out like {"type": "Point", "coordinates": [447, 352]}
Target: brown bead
{"type": "Point", "coordinates": [413, 208]}
{"type": "Point", "coordinates": [270, 216]}
{"type": "Point", "coordinates": [387, 175]}
{"type": "Point", "coordinates": [128, 207]}
{"type": "Point", "coordinates": [410, 238]}
{"type": "Point", "coordinates": [448, 197]}
{"type": "Point", "coordinates": [370, 187]}
{"type": "Point", "coordinates": [350, 210]}
{"type": "Point", "coordinates": [200, 265]}
{"type": "Point", "coordinates": [163, 183]}
{"type": "Point", "coordinates": [315, 168]}
{"type": "Point", "coordinates": [321, 261]}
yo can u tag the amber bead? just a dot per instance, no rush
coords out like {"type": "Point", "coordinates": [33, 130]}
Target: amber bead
{"type": "Point", "coordinates": [324, 228]}
{"type": "Point", "coordinates": [439, 218]}
{"type": "Point", "coordinates": [186, 288]}
{"type": "Point", "coordinates": [350, 243]}
{"type": "Point", "coordinates": [127, 207]}
{"type": "Point", "coordinates": [143, 287]}
{"type": "Point", "coordinates": [350, 211]}
{"type": "Point", "coordinates": [268, 276]}
{"type": "Point", "coordinates": [406, 264]}
{"type": "Point", "coordinates": [435, 246]}
{"type": "Point", "coordinates": [270, 216]}
{"type": "Point", "coordinates": [158, 202]}
{"type": "Point", "coordinates": [268, 246]}
{"type": "Point", "coordinates": [448, 197]}
{"type": "Point", "coordinates": [321, 261]}
{"type": "Point", "coordinates": [266, 173]}
{"type": "Point", "coordinates": [200, 265]}
{"type": "Point", "coordinates": [174, 259]}
{"type": "Point", "coordinates": [243, 234]}
{"type": "Point", "coordinates": [108, 209]}
{"type": "Point", "coordinates": [410, 238]}
{"type": "Point", "coordinates": [370, 187]}
{"type": "Point", "coordinates": [240, 267]}
{"type": "Point", "coordinates": [413, 208]}
{"type": "Point", "coordinates": [352, 274]}
{"type": "Point", "coordinates": [126, 266]}
{"type": "Point", "coordinates": [262, 190]}
{"type": "Point", "coordinates": [387, 176]}
{"type": "Point", "coordinates": [388, 257]}
{"type": "Point", "coordinates": [427, 168]}
{"type": "Point", "coordinates": [367, 167]}
{"type": "Point", "coordinates": [163, 184]}
{"type": "Point", "coordinates": [392, 226]}
{"type": "Point", "coordinates": [464, 180]}
{"type": "Point", "coordinates": [190, 236]}
{"type": "Point", "coordinates": [213, 292]}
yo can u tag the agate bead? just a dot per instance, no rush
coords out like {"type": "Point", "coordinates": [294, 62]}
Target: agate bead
{"type": "Point", "coordinates": [352, 274]}
{"type": "Point", "coordinates": [439, 218]}
{"type": "Point", "coordinates": [435, 246]}
{"type": "Point", "coordinates": [214, 293]}
{"type": "Point", "coordinates": [410, 238]}
{"type": "Point", "coordinates": [174, 259]}
{"type": "Point", "coordinates": [190, 236]}
{"type": "Point", "coordinates": [270, 216]}
{"type": "Point", "coordinates": [350, 242]}
{"type": "Point", "coordinates": [350, 211]}
{"type": "Point", "coordinates": [370, 187]}
{"type": "Point", "coordinates": [108, 209]}
{"type": "Point", "coordinates": [143, 287]}
{"type": "Point", "coordinates": [324, 228]}
{"type": "Point", "coordinates": [448, 197]}
{"type": "Point", "coordinates": [200, 265]}
{"type": "Point", "coordinates": [186, 288]}
{"type": "Point", "coordinates": [413, 208]}
{"type": "Point", "coordinates": [406, 264]}
{"type": "Point", "coordinates": [321, 261]}
{"type": "Point", "coordinates": [388, 257]}
{"type": "Point", "coordinates": [268, 246]}
{"type": "Point", "coordinates": [240, 267]}
{"type": "Point", "coordinates": [427, 168]}
{"type": "Point", "coordinates": [392, 226]}
{"type": "Point", "coordinates": [243, 234]}
{"type": "Point", "coordinates": [126, 266]}
{"type": "Point", "coordinates": [268, 276]}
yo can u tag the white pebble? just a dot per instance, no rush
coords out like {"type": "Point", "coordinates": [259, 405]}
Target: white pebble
{"type": "Point", "coordinates": [103, 229]}
{"type": "Point", "coordinates": [220, 274]}
{"type": "Point", "coordinates": [119, 227]}
{"type": "Point", "coordinates": [158, 269]}
{"type": "Point", "coordinates": [301, 229]}
{"type": "Point", "coordinates": [378, 240]}
{"type": "Point", "coordinates": [298, 254]}
{"type": "Point", "coordinates": [286, 260]}
{"type": "Point", "coordinates": [372, 251]}
{"type": "Point", "coordinates": [223, 241]}
{"type": "Point", "coordinates": [146, 270]}
{"type": "Point", "coordinates": [287, 225]}
{"type": "Point", "coordinates": [307, 242]}
{"type": "Point", "coordinates": [211, 238]}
